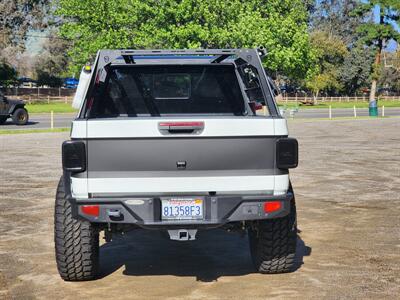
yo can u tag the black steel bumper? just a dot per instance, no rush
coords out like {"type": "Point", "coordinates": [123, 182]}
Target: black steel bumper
{"type": "Point", "coordinates": [146, 211]}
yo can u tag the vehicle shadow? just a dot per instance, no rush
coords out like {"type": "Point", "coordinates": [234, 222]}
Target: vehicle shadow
{"type": "Point", "coordinates": [213, 254]}
{"type": "Point", "coordinates": [301, 250]}
{"type": "Point", "coordinates": [11, 123]}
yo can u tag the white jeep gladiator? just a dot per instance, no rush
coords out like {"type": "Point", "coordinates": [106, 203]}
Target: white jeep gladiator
{"type": "Point", "coordinates": [174, 140]}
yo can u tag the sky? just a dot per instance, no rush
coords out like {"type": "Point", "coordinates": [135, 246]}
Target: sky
{"type": "Point", "coordinates": [34, 42]}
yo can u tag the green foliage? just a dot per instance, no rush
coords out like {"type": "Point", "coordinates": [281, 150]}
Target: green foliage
{"type": "Point", "coordinates": [378, 33]}
{"type": "Point", "coordinates": [384, 30]}
{"type": "Point", "coordinates": [335, 17]}
{"type": "Point", "coordinates": [356, 69]}
{"type": "Point", "coordinates": [352, 22]}
{"type": "Point", "coordinates": [330, 51]}
{"type": "Point", "coordinates": [45, 78]}
{"type": "Point", "coordinates": [280, 26]}
{"type": "Point", "coordinates": [8, 75]}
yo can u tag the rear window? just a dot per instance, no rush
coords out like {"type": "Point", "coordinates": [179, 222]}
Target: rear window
{"type": "Point", "coordinates": [169, 90]}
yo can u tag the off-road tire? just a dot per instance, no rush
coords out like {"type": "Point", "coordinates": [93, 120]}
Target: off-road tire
{"type": "Point", "coordinates": [20, 116]}
{"type": "Point", "coordinates": [76, 242]}
{"type": "Point", "coordinates": [3, 119]}
{"type": "Point", "coordinates": [273, 243]}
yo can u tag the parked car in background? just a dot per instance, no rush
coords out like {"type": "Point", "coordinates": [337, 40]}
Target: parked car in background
{"type": "Point", "coordinates": [14, 109]}
{"type": "Point", "coordinates": [387, 91]}
{"type": "Point", "coordinates": [71, 83]}
{"type": "Point", "coordinates": [26, 82]}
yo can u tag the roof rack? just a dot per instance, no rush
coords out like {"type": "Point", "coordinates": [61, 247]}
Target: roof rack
{"type": "Point", "coordinates": [107, 57]}
{"type": "Point", "coordinates": [214, 55]}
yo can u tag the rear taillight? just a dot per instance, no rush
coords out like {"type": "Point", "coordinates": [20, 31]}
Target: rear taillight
{"type": "Point", "coordinates": [91, 210]}
{"type": "Point", "coordinates": [287, 153]}
{"type": "Point", "coordinates": [272, 206]}
{"type": "Point", "coordinates": [74, 156]}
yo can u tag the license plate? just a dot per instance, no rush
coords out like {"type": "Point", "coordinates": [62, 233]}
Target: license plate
{"type": "Point", "coordinates": [182, 209]}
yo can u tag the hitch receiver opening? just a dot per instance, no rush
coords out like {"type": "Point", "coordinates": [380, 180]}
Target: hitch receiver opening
{"type": "Point", "coordinates": [182, 234]}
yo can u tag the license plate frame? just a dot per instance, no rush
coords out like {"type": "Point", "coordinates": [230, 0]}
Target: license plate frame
{"type": "Point", "coordinates": [174, 208]}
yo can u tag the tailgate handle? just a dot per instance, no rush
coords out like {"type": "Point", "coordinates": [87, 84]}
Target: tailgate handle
{"type": "Point", "coordinates": [181, 127]}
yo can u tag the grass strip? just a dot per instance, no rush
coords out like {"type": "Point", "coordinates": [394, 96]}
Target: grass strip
{"type": "Point", "coordinates": [48, 107]}
{"type": "Point", "coordinates": [67, 108]}
{"type": "Point", "coordinates": [22, 131]}
{"type": "Point", "coordinates": [339, 105]}
{"type": "Point", "coordinates": [363, 118]}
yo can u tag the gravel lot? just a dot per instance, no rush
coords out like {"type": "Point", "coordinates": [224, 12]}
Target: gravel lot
{"type": "Point", "coordinates": [347, 186]}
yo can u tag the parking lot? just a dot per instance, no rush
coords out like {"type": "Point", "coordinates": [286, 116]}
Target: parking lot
{"type": "Point", "coordinates": [347, 190]}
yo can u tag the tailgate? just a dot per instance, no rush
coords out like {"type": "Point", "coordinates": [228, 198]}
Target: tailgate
{"type": "Point", "coordinates": [170, 155]}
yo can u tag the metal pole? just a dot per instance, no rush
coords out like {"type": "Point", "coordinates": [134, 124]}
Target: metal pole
{"type": "Point", "coordinates": [51, 120]}
{"type": "Point", "coordinates": [330, 112]}
{"type": "Point", "coordinates": [383, 110]}
{"type": "Point", "coordinates": [355, 112]}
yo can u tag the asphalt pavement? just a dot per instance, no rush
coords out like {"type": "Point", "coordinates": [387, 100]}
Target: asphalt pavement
{"type": "Point", "coordinates": [42, 121]}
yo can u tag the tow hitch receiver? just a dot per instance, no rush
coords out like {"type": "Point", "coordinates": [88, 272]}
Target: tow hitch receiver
{"type": "Point", "coordinates": [182, 234]}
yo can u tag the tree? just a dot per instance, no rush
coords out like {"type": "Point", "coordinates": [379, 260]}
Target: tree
{"type": "Point", "coordinates": [330, 53]}
{"type": "Point", "coordinates": [45, 78]}
{"type": "Point", "coordinates": [17, 17]}
{"type": "Point", "coordinates": [8, 75]}
{"type": "Point", "coordinates": [335, 17]}
{"type": "Point", "coordinates": [355, 72]}
{"type": "Point", "coordinates": [280, 26]}
{"type": "Point", "coordinates": [52, 60]}
{"type": "Point", "coordinates": [377, 34]}
{"type": "Point", "coordinates": [390, 72]}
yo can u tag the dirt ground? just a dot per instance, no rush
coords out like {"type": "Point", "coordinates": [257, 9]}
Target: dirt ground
{"type": "Point", "coordinates": [347, 186]}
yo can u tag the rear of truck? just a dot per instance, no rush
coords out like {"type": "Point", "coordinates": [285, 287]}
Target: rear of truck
{"type": "Point", "coordinates": [174, 141]}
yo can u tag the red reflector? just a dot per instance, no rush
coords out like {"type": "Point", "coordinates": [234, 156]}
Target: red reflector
{"type": "Point", "coordinates": [272, 206]}
{"type": "Point", "coordinates": [92, 210]}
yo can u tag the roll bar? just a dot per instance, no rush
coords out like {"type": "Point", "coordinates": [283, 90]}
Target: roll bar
{"type": "Point", "coordinates": [238, 57]}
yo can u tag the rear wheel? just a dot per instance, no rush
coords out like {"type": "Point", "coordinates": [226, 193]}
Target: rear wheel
{"type": "Point", "coordinates": [20, 116]}
{"type": "Point", "coordinates": [273, 243]}
{"type": "Point", "coordinates": [76, 242]}
{"type": "Point", "coordinates": [3, 119]}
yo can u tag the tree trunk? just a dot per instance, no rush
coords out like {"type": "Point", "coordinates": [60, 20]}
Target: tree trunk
{"type": "Point", "coordinates": [372, 93]}
{"type": "Point", "coordinates": [377, 63]}
{"type": "Point", "coordinates": [315, 96]}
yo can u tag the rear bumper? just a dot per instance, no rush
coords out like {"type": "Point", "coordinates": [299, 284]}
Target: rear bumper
{"type": "Point", "coordinates": [146, 211]}
{"type": "Point", "coordinates": [218, 210]}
